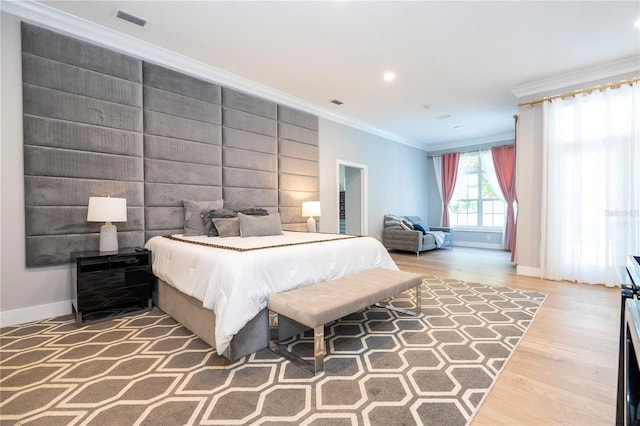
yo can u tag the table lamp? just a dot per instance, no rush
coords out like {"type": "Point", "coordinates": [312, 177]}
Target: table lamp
{"type": "Point", "coordinates": [311, 209]}
{"type": "Point", "coordinates": [107, 209]}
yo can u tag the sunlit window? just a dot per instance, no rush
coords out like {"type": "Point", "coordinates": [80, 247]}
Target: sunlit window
{"type": "Point", "coordinates": [475, 202]}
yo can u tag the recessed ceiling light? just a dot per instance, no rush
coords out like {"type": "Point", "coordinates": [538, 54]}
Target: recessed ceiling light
{"type": "Point", "coordinates": [426, 106]}
{"type": "Point", "coordinates": [458, 127]}
{"type": "Point", "coordinates": [389, 76]}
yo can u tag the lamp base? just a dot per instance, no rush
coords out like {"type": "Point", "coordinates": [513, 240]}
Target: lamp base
{"type": "Point", "coordinates": [108, 237]}
{"type": "Point", "coordinates": [311, 224]}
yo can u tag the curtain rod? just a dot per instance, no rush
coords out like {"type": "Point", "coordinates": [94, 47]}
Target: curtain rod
{"type": "Point", "coordinates": [471, 150]}
{"type": "Point", "coordinates": [579, 92]}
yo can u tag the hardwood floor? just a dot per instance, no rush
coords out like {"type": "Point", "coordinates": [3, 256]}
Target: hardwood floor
{"type": "Point", "coordinates": [565, 369]}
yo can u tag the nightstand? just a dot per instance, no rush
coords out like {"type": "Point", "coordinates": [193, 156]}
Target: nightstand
{"type": "Point", "coordinates": [105, 285]}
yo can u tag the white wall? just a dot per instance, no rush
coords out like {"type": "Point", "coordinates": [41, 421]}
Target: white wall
{"type": "Point", "coordinates": [25, 294]}
{"type": "Point", "coordinates": [397, 175]}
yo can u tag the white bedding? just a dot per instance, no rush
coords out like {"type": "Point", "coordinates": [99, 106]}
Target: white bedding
{"type": "Point", "coordinates": [236, 284]}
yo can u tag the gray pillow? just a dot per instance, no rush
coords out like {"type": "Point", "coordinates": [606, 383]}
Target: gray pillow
{"type": "Point", "coordinates": [227, 226]}
{"type": "Point", "coordinates": [194, 214]}
{"type": "Point", "coordinates": [255, 211]}
{"type": "Point", "coordinates": [393, 221]}
{"type": "Point", "coordinates": [210, 227]}
{"type": "Point", "coordinates": [238, 205]}
{"type": "Point", "coordinates": [260, 226]}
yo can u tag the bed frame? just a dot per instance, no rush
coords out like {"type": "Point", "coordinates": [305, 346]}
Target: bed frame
{"type": "Point", "coordinates": [189, 312]}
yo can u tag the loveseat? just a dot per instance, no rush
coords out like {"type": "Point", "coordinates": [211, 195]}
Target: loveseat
{"type": "Point", "coordinates": [411, 233]}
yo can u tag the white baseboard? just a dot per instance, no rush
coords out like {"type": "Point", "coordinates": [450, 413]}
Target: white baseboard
{"type": "Point", "coordinates": [493, 246]}
{"type": "Point", "coordinates": [529, 271]}
{"type": "Point", "coordinates": [34, 313]}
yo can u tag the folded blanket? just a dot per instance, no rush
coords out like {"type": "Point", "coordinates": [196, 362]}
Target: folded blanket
{"type": "Point", "coordinates": [439, 236]}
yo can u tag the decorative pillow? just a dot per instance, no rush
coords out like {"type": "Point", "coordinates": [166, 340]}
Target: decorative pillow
{"type": "Point", "coordinates": [419, 227]}
{"type": "Point", "coordinates": [253, 211]}
{"type": "Point", "coordinates": [259, 226]}
{"type": "Point", "coordinates": [238, 205]}
{"type": "Point", "coordinates": [393, 221]}
{"type": "Point", "coordinates": [406, 225]}
{"type": "Point", "coordinates": [227, 226]}
{"type": "Point", "coordinates": [210, 228]}
{"type": "Point", "coordinates": [194, 212]}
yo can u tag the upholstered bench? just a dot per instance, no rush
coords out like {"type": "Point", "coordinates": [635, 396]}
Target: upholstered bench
{"type": "Point", "coordinates": [319, 304]}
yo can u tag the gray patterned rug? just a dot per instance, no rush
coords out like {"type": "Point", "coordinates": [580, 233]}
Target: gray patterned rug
{"type": "Point", "coordinates": [383, 368]}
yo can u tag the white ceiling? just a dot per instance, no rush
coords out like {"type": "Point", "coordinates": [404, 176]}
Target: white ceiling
{"type": "Point", "coordinates": [459, 58]}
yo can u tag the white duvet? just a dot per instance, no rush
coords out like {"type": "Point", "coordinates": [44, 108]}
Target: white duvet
{"type": "Point", "coordinates": [236, 284]}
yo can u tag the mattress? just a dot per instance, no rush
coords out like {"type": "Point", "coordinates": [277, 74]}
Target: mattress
{"type": "Point", "coordinates": [234, 276]}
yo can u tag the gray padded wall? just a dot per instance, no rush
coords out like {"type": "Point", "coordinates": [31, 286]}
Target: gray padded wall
{"type": "Point", "coordinates": [85, 111]}
{"type": "Point", "coordinates": [298, 165]}
{"type": "Point", "coordinates": [249, 150]}
{"type": "Point", "coordinates": [182, 146]}
{"type": "Point", "coordinates": [82, 108]}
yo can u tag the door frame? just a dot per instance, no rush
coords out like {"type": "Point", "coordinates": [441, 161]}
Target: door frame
{"type": "Point", "coordinates": [364, 202]}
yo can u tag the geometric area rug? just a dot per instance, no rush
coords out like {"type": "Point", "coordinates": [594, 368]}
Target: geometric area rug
{"type": "Point", "coordinates": [382, 367]}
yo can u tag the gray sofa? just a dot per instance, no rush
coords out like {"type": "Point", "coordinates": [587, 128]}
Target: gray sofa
{"type": "Point", "coordinates": [397, 234]}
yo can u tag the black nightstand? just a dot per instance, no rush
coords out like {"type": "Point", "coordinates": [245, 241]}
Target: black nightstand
{"type": "Point", "coordinates": [104, 285]}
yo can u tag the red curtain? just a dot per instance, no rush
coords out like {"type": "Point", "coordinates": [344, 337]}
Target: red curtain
{"type": "Point", "coordinates": [449, 175]}
{"type": "Point", "coordinates": [504, 161]}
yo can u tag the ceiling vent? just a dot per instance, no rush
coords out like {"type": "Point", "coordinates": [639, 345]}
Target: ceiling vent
{"type": "Point", "coordinates": [130, 18]}
{"type": "Point", "coordinates": [337, 102]}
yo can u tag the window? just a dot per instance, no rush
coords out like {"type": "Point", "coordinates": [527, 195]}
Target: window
{"type": "Point", "coordinates": [475, 202]}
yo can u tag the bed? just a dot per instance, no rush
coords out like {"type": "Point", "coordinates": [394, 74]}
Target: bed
{"type": "Point", "coordinates": [218, 287]}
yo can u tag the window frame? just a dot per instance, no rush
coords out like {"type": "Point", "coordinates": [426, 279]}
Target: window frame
{"type": "Point", "coordinates": [480, 176]}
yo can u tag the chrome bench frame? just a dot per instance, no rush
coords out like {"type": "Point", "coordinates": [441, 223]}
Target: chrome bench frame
{"type": "Point", "coordinates": [319, 348]}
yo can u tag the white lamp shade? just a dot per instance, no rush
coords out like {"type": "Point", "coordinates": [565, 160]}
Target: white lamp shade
{"type": "Point", "coordinates": [311, 208]}
{"type": "Point", "coordinates": [107, 209]}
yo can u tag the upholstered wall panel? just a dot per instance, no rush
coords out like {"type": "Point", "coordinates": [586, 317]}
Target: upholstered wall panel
{"type": "Point", "coordinates": [48, 44]}
{"type": "Point", "coordinates": [249, 149]}
{"type": "Point", "coordinates": [97, 122]}
{"type": "Point", "coordinates": [298, 167]}
{"type": "Point", "coordinates": [82, 108]}
{"type": "Point", "coordinates": [182, 146]}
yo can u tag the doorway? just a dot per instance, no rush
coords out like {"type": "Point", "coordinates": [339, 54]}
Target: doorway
{"type": "Point", "coordinates": [352, 195]}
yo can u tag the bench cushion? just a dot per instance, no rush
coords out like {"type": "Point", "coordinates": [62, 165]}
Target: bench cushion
{"type": "Point", "coordinates": [322, 303]}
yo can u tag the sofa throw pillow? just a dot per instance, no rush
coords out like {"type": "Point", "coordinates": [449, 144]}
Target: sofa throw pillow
{"type": "Point", "coordinates": [227, 226]}
{"type": "Point", "coordinates": [194, 213]}
{"type": "Point", "coordinates": [259, 226]}
{"type": "Point", "coordinates": [419, 227]}
{"type": "Point", "coordinates": [406, 225]}
{"type": "Point", "coordinates": [210, 227]}
{"type": "Point", "coordinates": [393, 221]}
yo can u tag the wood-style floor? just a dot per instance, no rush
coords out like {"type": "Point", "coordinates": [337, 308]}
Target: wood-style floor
{"type": "Point", "coordinates": [564, 372]}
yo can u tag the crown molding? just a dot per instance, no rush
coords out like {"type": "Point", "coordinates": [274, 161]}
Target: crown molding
{"type": "Point", "coordinates": [587, 75]}
{"type": "Point", "coordinates": [54, 19]}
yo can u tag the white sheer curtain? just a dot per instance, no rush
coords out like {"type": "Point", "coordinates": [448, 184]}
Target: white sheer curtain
{"type": "Point", "coordinates": [489, 170]}
{"type": "Point", "coordinates": [591, 185]}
